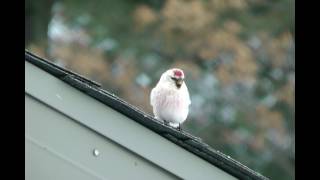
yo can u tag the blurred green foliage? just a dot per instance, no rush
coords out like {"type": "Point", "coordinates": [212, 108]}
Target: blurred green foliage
{"type": "Point", "coordinates": [238, 56]}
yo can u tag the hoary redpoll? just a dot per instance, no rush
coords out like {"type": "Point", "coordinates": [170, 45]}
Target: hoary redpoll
{"type": "Point", "coordinates": [170, 98]}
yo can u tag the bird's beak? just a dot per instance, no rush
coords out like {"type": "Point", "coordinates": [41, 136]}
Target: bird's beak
{"type": "Point", "coordinates": [179, 82]}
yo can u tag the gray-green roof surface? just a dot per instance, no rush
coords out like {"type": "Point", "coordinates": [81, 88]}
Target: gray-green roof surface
{"type": "Point", "coordinates": [180, 138]}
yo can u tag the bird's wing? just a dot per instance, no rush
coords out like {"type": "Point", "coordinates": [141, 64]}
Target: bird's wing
{"type": "Point", "coordinates": [186, 94]}
{"type": "Point", "coordinates": [152, 96]}
{"type": "Point", "coordinates": [189, 100]}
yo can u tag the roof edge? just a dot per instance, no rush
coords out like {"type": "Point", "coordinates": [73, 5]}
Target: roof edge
{"type": "Point", "coordinates": [181, 138]}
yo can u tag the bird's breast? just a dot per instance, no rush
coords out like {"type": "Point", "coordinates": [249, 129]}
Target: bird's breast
{"type": "Point", "coordinates": [172, 106]}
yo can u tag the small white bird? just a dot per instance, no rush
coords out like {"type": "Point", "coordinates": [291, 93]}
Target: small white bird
{"type": "Point", "coordinates": [170, 98]}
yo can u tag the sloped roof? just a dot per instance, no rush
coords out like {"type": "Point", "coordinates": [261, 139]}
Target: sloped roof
{"type": "Point", "coordinates": [183, 139]}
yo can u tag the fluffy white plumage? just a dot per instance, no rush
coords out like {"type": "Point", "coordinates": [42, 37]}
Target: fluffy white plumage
{"type": "Point", "coordinates": [170, 98]}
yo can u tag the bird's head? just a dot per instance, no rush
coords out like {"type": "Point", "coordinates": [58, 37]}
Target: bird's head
{"type": "Point", "coordinates": [173, 76]}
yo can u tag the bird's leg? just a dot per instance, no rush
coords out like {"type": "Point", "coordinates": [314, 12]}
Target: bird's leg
{"type": "Point", "coordinates": [179, 127]}
{"type": "Point", "coordinates": [165, 122]}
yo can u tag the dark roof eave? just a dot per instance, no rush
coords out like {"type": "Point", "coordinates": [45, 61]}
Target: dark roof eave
{"type": "Point", "coordinates": [181, 138]}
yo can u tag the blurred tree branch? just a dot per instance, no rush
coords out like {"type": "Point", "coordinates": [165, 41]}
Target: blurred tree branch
{"type": "Point", "coordinates": [37, 17]}
{"type": "Point", "coordinates": [195, 58]}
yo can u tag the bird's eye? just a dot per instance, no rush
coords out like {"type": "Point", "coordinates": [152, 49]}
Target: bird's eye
{"type": "Point", "coordinates": [173, 78]}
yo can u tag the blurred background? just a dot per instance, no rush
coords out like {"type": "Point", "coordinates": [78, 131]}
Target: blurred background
{"type": "Point", "coordinates": [238, 57]}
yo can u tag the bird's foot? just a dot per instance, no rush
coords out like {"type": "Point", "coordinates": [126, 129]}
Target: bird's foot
{"type": "Point", "coordinates": [165, 122]}
{"type": "Point", "coordinates": [179, 127]}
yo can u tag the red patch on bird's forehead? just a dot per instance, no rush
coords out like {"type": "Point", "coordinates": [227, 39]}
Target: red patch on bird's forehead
{"type": "Point", "coordinates": [178, 73]}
